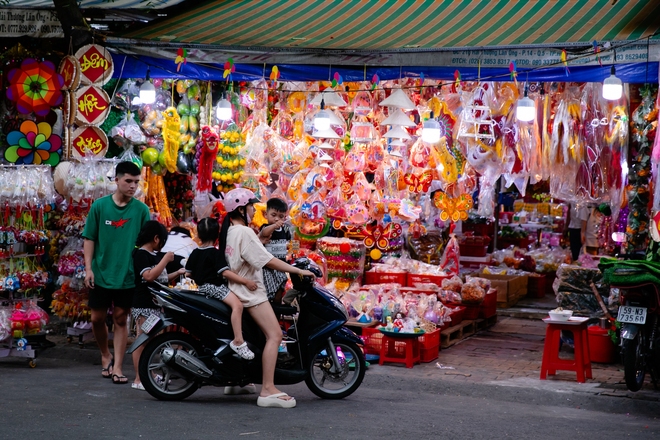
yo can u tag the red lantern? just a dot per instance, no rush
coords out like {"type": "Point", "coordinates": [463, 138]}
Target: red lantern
{"type": "Point", "coordinates": [345, 248]}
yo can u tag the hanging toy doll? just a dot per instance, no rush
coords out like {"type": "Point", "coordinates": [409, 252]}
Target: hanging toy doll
{"type": "Point", "coordinates": [210, 143]}
{"type": "Point", "coordinates": [450, 257]}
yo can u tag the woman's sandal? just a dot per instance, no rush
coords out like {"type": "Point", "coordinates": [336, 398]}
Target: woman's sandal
{"type": "Point", "coordinates": [242, 350]}
{"type": "Point", "coordinates": [119, 380]}
{"type": "Point", "coordinates": [274, 401]}
{"type": "Point", "coordinates": [107, 370]}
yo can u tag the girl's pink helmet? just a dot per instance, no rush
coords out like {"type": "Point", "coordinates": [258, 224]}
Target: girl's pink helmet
{"type": "Point", "coordinates": [239, 197]}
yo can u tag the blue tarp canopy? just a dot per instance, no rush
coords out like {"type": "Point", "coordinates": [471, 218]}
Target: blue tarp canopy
{"type": "Point", "coordinates": [133, 66]}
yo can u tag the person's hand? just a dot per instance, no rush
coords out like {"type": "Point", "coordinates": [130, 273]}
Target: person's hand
{"type": "Point", "coordinates": [168, 257]}
{"type": "Point", "coordinates": [181, 271]}
{"type": "Point", "coordinates": [89, 279]}
{"type": "Point", "coordinates": [278, 224]}
{"type": "Point", "coordinates": [306, 273]}
{"type": "Point", "coordinates": [251, 285]}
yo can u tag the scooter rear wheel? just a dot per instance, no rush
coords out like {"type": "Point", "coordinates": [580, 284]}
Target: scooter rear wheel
{"type": "Point", "coordinates": [161, 380]}
{"type": "Point", "coordinates": [344, 380]}
{"type": "Point", "coordinates": [633, 362]}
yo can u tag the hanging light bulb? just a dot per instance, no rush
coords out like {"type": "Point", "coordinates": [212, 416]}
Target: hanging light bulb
{"type": "Point", "coordinates": [147, 90]}
{"type": "Point", "coordinates": [431, 130]}
{"type": "Point", "coordinates": [223, 110]}
{"type": "Point", "coordinates": [612, 86]}
{"type": "Point", "coordinates": [322, 118]}
{"type": "Point", "coordinates": [526, 109]}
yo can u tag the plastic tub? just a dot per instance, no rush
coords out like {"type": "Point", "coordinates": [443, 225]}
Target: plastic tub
{"type": "Point", "coordinates": [601, 347]}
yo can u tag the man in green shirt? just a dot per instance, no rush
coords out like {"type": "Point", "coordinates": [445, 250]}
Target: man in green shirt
{"type": "Point", "coordinates": [111, 229]}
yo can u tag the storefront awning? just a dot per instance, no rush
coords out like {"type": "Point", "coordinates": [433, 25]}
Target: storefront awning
{"type": "Point", "coordinates": [387, 25]}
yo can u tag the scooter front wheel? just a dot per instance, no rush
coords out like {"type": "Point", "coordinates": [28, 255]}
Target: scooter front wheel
{"type": "Point", "coordinates": [634, 369]}
{"type": "Point", "coordinates": [161, 380]}
{"type": "Point", "coordinates": [336, 382]}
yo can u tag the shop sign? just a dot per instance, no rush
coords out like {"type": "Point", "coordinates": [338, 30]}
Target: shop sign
{"type": "Point", "coordinates": [96, 65]}
{"type": "Point", "coordinates": [89, 141]}
{"type": "Point", "coordinates": [32, 22]}
{"type": "Point", "coordinates": [92, 105]}
{"type": "Point", "coordinates": [70, 70]}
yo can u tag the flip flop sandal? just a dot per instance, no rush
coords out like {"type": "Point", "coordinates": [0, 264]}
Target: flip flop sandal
{"type": "Point", "coordinates": [137, 386]}
{"type": "Point", "coordinates": [242, 350]}
{"type": "Point", "coordinates": [274, 401]}
{"type": "Point", "coordinates": [107, 370]}
{"type": "Point", "coordinates": [119, 380]}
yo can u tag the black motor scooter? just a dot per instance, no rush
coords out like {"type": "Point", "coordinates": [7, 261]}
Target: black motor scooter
{"type": "Point", "coordinates": [320, 350]}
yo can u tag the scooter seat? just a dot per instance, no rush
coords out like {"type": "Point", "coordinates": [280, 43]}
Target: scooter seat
{"type": "Point", "coordinates": [195, 299]}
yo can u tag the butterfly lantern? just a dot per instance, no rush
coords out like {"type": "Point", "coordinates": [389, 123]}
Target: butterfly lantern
{"type": "Point", "coordinates": [453, 209]}
{"type": "Point", "coordinates": [229, 69]}
{"type": "Point", "coordinates": [181, 58]}
{"type": "Point", "coordinates": [379, 236]}
{"type": "Point", "coordinates": [419, 183]}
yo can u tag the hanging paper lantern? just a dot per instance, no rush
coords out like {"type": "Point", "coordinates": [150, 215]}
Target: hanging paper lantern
{"type": "Point", "coordinates": [35, 87]}
{"type": "Point", "coordinates": [34, 144]}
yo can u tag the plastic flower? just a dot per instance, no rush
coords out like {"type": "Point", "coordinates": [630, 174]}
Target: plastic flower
{"type": "Point", "coordinates": [35, 87]}
{"type": "Point", "coordinates": [33, 144]}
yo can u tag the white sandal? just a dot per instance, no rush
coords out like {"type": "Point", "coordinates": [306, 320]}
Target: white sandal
{"type": "Point", "coordinates": [276, 401]}
{"type": "Point", "coordinates": [242, 350]}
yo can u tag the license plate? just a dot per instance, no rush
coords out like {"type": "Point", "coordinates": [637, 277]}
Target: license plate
{"type": "Point", "coordinates": [633, 315]}
{"type": "Point", "coordinates": [150, 323]}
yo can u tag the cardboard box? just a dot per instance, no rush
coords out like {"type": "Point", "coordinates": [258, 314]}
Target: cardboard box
{"type": "Point", "coordinates": [510, 288]}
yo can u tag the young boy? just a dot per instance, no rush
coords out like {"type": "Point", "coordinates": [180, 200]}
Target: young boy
{"type": "Point", "coordinates": [112, 227]}
{"type": "Point", "coordinates": [276, 237]}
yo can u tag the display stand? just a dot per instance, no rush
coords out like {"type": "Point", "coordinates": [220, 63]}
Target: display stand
{"type": "Point", "coordinates": [12, 347]}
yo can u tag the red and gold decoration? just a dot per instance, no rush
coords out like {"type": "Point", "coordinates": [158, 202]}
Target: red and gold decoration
{"type": "Point", "coordinates": [35, 87]}
{"type": "Point", "coordinates": [89, 141]}
{"type": "Point", "coordinates": [96, 66]}
{"type": "Point", "coordinates": [69, 68]}
{"type": "Point", "coordinates": [92, 106]}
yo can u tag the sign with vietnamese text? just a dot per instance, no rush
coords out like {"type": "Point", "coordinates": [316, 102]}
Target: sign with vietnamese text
{"type": "Point", "coordinates": [31, 22]}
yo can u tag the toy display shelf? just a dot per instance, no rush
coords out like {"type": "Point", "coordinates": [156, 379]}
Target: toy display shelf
{"type": "Point", "coordinates": [12, 347]}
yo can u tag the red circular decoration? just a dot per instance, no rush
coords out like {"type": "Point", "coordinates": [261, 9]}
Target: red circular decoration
{"type": "Point", "coordinates": [89, 141]}
{"type": "Point", "coordinates": [345, 248]}
{"type": "Point", "coordinates": [70, 70]}
{"type": "Point", "coordinates": [96, 65]}
{"type": "Point", "coordinates": [92, 105]}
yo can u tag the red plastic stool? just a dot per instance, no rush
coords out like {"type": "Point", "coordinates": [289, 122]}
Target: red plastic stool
{"type": "Point", "coordinates": [401, 349]}
{"type": "Point", "coordinates": [581, 363]}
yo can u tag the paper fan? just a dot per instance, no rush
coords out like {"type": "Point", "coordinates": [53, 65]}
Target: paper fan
{"type": "Point", "coordinates": [35, 87]}
{"type": "Point", "coordinates": [34, 144]}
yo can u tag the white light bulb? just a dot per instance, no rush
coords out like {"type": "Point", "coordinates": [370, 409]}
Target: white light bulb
{"type": "Point", "coordinates": [223, 111]}
{"type": "Point", "coordinates": [612, 87]}
{"type": "Point", "coordinates": [322, 121]}
{"type": "Point", "coordinates": [525, 110]}
{"type": "Point", "coordinates": [431, 131]}
{"type": "Point", "coordinates": [147, 93]}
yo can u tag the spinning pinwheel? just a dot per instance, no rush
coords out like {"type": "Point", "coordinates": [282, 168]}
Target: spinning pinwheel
{"type": "Point", "coordinates": [35, 87]}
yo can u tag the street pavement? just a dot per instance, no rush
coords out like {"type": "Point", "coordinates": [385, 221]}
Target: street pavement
{"type": "Point", "coordinates": [484, 387]}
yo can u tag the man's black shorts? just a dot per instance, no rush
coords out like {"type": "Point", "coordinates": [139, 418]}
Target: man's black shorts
{"type": "Point", "coordinates": [101, 298]}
